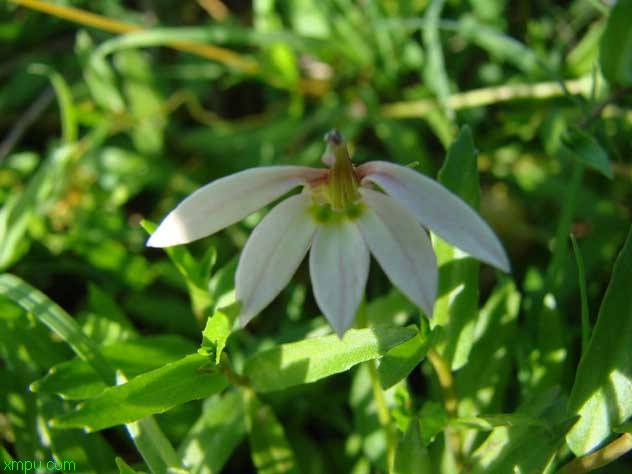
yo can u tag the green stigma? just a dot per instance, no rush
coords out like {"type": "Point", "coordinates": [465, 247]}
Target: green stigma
{"type": "Point", "coordinates": [342, 183]}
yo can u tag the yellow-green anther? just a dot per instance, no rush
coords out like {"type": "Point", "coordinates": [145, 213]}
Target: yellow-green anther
{"type": "Point", "coordinates": [342, 183]}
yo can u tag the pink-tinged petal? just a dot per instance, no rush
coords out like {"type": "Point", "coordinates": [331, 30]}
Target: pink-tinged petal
{"type": "Point", "coordinates": [228, 200]}
{"type": "Point", "coordinates": [401, 247]}
{"type": "Point", "coordinates": [439, 210]}
{"type": "Point", "coordinates": [272, 254]}
{"type": "Point", "coordinates": [339, 267]}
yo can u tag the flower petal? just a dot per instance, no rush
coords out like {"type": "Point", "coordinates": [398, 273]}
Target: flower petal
{"type": "Point", "coordinates": [339, 267]}
{"type": "Point", "coordinates": [401, 247]}
{"type": "Point", "coordinates": [439, 210]}
{"type": "Point", "coordinates": [226, 201]}
{"type": "Point", "coordinates": [272, 254]}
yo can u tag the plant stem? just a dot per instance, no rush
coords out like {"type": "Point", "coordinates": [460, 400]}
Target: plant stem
{"type": "Point", "coordinates": [601, 457]}
{"type": "Point", "coordinates": [101, 22]}
{"type": "Point", "coordinates": [383, 414]}
{"type": "Point", "coordinates": [450, 401]}
{"type": "Point", "coordinates": [487, 96]}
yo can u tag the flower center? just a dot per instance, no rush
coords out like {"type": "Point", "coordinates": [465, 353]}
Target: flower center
{"type": "Point", "coordinates": [342, 183]}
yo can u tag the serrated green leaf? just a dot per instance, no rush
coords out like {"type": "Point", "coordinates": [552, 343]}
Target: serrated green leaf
{"type": "Point", "coordinates": [75, 379]}
{"type": "Point", "coordinates": [313, 359]}
{"type": "Point", "coordinates": [217, 330]}
{"type": "Point", "coordinates": [152, 392]}
{"type": "Point", "coordinates": [402, 359]}
{"type": "Point", "coordinates": [602, 392]}
{"type": "Point", "coordinates": [456, 307]}
{"type": "Point", "coordinates": [411, 455]}
{"type": "Point", "coordinates": [615, 51]}
{"type": "Point", "coordinates": [587, 150]}
{"type": "Point", "coordinates": [215, 435]}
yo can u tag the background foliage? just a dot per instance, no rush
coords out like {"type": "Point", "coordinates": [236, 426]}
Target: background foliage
{"type": "Point", "coordinates": [111, 118]}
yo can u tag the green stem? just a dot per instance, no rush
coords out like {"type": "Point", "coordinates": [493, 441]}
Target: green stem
{"type": "Point", "coordinates": [383, 414]}
{"type": "Point", "coordinates": [450, 401]}
{"type": "Point", "coordinates": [601, 457]}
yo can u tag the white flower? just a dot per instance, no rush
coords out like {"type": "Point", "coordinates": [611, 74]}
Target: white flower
{"type": "Point", "coordinates": [341, 216]}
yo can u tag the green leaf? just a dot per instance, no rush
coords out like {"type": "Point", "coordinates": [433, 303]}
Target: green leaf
{"type": "Point", "coordinates": [498, 44]}
{"type": "Point", "coordinates": [215, 435]}
{"type": "Point", "coordinates": [217, 330]}
{"type": "Point", "coordinates": [522, 447]}
{"type": "Point", "coordinates": [98, 75]}
{"type": "Point", "coordinates": [123, 467]}
{"type": "Point", "coordinates": [411, 455]}
{"type": "Point", "coordinates": [587, 150]}
{"type": "Point", "coordinates": [145, 102]}
{"type": "Point", "coordinates": [432, 420]}
{"type": "Point", "coordinates": [153, 392]}
{"type": "Point", "coordinates": [75, 379]}
{"type": "Point", "coordinates": [402, 359]}
{"type": "Point", "coordinates": [313, 359]}
{"type": "Point", "coordinates": [489, 422]}
{"type": "Point", "coordinates": [366, 423]}
{"type": "Point", "coordinates": [602, 392]}
{"type": "Point", "coordinates": [151, 442]}
{"type": "Point", "coordinates": [196, 275]}
{"type": "Point", "coordinates": [271, 452]}
{"type": "Point", "coordinates": [624, 428]}
{"type": "Point", "coordinates": [615, 51]}
{"type": "Point", "coordinates": [57, 320]}
{"type": "Point", "coordinates": [89, 451]}
{"type": "Point", "coordinates": [481, 382]}
{"type": "Point", "coordinates": [20, 207]}
{"type": "Point", "coordinates": [583, 294]}
{"type": "Point", "coordinates": [65, 101]}
{"type": "Point", "coordinates": [4, 455]}
{"type": "Point", "coordinates": [456, 307]}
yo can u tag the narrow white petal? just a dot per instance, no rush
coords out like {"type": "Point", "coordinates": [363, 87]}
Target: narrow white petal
{"type": "Point", "coordinates": [226, 201]}
{"type": "Point", "coordinates": [339, 267]}
{"type": "Point", "coordinates": [272, 254]}
{"type": "Point", "coordinates": [439, 210]}
{"type": "Point", "coordinates": [401, 247]}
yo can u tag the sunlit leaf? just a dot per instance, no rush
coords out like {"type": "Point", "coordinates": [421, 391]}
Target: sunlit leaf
{"type": "Point", "coordinates": [313, 359]}
{"type": "Point", "coordinates": [153, 392]}
{"type": "Point", "coordinates": [602, 392]}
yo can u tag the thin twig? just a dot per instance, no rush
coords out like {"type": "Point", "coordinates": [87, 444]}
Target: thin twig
{"type": "Point", "coordinates": [26, 120]}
